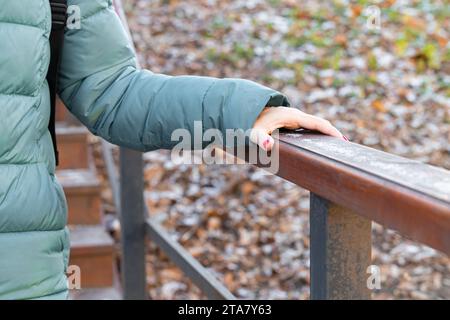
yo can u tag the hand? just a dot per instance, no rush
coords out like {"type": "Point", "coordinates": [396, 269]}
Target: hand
{"type": "Point", "coordinates": [273, 118]}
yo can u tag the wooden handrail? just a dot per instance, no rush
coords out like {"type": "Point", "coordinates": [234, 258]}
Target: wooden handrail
{"type": "Point", "coordinates": [405, 195]}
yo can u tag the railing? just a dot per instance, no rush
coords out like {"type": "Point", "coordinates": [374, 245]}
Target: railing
{"type": "Point", "coordinates": [351, 186]}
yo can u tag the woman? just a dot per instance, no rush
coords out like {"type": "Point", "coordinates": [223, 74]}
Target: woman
{"type": "Point", "coordinates": [101, 86]}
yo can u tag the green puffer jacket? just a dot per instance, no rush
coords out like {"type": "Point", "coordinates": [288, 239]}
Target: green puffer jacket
{"type": "Point", "coordinates": [101, 86]}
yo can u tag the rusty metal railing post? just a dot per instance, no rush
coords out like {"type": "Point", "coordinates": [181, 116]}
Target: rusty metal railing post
{"type": "Point", "coordinates": [132, 225]}
{"type": "Point", "coordinates": [340, 252]}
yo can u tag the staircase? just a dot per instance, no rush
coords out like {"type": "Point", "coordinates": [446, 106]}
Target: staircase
{"type": "Point", "coordinates": [92, 248]}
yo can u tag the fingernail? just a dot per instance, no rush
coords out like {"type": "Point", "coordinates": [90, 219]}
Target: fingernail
{"type": "Point", "coordinates": [266, 143]}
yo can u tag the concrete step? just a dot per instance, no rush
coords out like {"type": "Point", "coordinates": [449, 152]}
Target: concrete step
{"type": "Point", "coordinates": [109, 293]}
{"type": "Point", "coordinates": [73, 147]}
{"type": "Point", "coordinates": [83, 192]}
{"type": "Point", "coordinates": [93, 251]}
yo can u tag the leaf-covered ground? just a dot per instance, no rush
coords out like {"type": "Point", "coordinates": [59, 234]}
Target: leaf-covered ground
{"type": "Point", "coordinates": [386, 87]}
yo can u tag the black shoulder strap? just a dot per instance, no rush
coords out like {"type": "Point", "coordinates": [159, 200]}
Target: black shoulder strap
{"type": "Point", "coordinates": [59, 18]}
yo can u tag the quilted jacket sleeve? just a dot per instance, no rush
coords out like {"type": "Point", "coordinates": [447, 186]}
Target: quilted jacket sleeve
{"type": "Point", "coordinates": [100, 84]}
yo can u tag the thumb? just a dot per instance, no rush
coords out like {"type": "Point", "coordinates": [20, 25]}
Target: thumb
{"type": "Point", "coordinates": [262, 139]}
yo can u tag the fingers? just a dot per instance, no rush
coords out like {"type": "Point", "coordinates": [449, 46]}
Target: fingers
{"type": "Point", "coordinates": [291, 118]}
{"type": "Point", "coordinates": [311, 122]}
{"type": "Point", "coordinates": [262, 139]}
{"type": "Point", "coordinates": [282, 117]}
